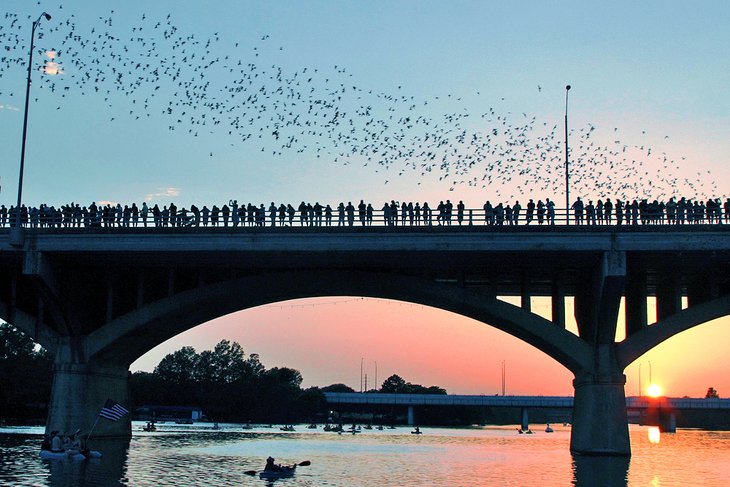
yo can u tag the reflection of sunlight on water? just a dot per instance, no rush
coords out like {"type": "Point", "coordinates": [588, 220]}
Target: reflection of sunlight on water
{"type": "Point", "coordinates": [654, 434]}
{"type": "Point", "coordinates": [655, 482]}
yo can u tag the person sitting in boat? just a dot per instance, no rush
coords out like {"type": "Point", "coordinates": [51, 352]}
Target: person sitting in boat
{"type": "Point", "coordinates": [271, 466]}
{"type": "Point", "coordinates": [84, 444]}
{"type": "Point", "coordinates": [46, 444]}
{"type": "Point", "coordinates": [56, 442]}
{"type": "Point", "coordinates": [75, 440]}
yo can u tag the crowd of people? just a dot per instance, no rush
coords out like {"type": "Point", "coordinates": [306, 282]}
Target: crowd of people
{"type": "Point", "coordinates": [233, 214]}
{"type": "Point", "coordinates": [56, 442]}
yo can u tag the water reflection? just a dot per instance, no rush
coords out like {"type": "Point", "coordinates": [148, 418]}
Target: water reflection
{"type": "Point", "coordinates": [471, 457]}
{"type": "Point", "coordinates": [106, 471]}
{"type": "Point", "coordinates": [654, 434]}
{"type": "Point", "coordinates": [600, 471]}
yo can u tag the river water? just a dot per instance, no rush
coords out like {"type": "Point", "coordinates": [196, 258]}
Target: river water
{"type": "Point", "coordinates": [198, 455]}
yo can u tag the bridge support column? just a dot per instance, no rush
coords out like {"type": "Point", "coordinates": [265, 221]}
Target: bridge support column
{"type": "Point", "coordinates": [600, 423]}
{"type": "Point", "coordinates": [525, 422]}
{"type": "Point", "coordinates": [667, 421]}
{"type": "Point", "coordinates": [80, 391]}
{"type": "Point", "coordinates": [411, 416]}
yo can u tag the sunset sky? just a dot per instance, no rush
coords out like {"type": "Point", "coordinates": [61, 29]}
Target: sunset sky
{"type": "Point", "coordinates": [116, 115]}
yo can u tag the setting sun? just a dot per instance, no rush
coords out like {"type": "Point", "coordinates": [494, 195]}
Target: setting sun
{"type": "Point", "coordinates": [654, 390]}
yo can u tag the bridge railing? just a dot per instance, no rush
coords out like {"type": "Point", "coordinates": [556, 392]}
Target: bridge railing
{"type": "Point", "coordinates": [411, 216]}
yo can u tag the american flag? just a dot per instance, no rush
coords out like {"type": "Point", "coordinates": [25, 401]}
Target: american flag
{"type": "Point", "coordinates": [112, 411]}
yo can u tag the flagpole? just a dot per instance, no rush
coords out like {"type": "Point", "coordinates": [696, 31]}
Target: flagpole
{"type": "Point", "coordinates": [88, 438]}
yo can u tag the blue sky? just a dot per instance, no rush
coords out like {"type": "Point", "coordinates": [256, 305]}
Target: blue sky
{"type": "Point", "coordinates": [649, 75]}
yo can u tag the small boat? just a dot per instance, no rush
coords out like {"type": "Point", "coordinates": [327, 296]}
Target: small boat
{"type": "Point", "coordinates": [549, 429]}
{"type": "Point", "coordinates": [69, 454]}
{"type": "Point", "coordinates": [287, 428]}
{"type": "Point", "coordinates": [216, 426]}
{"type": "Point", "coordinates": [150, 426]}
{"type": "Point", "coordinates": [312, 426]}
{"type": "Point", "coordinates": [417, 431]}
{"type": "Point", "coordinates": [283, 472]}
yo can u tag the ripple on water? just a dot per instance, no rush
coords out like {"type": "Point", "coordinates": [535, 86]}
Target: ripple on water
{"type": "Point", "coordinates": [439, 457]}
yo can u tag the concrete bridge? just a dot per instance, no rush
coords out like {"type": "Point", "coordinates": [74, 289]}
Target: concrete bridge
{"type": "Point", "coordinates": [663, 407]}
{"type": "Point", "coordinates": [100, 298]}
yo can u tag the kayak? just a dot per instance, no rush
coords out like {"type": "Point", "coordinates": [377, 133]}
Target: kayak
{"type": "Point", "coordinates": [72, 454]}
{"type": "Point", "coordinates": [278, 474]}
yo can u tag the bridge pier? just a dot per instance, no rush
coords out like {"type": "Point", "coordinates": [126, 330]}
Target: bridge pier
{"type": "Point", "coordinates": [80, 391]}
{"type": "Point", "coordinates": [525, 423]}
{"type": "Point", "coordinates": [411, 416]}
{"type": "Point", "coordinates": [600, 422]}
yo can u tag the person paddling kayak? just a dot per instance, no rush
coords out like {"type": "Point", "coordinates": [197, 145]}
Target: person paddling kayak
{"type": "Point", "coordinates": [271, 466]}
{"type": "Point", "coordinates": [274, 470]}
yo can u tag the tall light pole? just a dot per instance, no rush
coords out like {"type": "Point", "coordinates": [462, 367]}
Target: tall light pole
{"type": "Point", "coordinates": [650, 382]}
{"type": "Point", "coordinates": [641, 393]}
{"type": "Point", "coordinates": [376, 374]}
{"type": "Point", "coordinates": [567, 181]}
{"type": "Point", "coordinates": [16, 233]}
{"type": "Point", "coordinates": [504, 376]}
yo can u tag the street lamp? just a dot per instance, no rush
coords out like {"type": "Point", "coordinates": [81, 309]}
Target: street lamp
{"type": "Point", "coordinates": [16, 233]}
{"type": "Point", "coordinates": [567, 183]}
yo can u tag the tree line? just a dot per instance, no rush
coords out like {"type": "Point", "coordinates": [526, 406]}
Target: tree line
{"type": "Point", "coordinates": [225, 382]}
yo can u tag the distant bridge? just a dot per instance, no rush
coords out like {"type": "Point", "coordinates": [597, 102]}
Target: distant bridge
{"type": "Point", "coordinates": [666, 404]}
{"type": "Point", "coordinates": [513, 401]}
{"type": "Point", "coordinates": [98, 299]}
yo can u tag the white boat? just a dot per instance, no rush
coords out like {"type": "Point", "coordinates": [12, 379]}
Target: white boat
{"type": "Point", "coordinates": [69, 454]}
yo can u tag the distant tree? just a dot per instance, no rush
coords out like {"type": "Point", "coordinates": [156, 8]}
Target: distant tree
{"type": "Point", "coordinates": [26, 375]}
{"type": "Point", "coordinates": [285, 376]}
{"type": "Point", "coordinates": [337, 388]}
{"type": "Point", "coordinates": [711, 393]}
{"type": "Point", "coordinates": [310, 402]}
{"type": "Point", "coordinates": [397, 385]}
{"type": "Point", "coordinates": [180, 366]}
{"type": "Point", "coordinates": [394, 385]}
{"type": "Point", "coordinates": [434, 390]}
{"type": "Point", "coordinates": [228, 385]}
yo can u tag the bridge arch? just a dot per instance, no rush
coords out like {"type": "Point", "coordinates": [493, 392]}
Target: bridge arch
{"type": "Point", "coordinates": [651, 336]}
{"type": "Point", "coordinates": [130, 336]}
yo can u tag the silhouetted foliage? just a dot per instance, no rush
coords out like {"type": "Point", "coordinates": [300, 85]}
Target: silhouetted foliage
{"type": "Point", "coordinates": [227, 385]}
{"type": "Point", "coordinates": [711, 393]}
{"type": "Point", "coordinates": [337, 388]}
{"type": "Point", "coordinates": [397, 385]}
{"type": "Point", "coordinates": [26, 375]}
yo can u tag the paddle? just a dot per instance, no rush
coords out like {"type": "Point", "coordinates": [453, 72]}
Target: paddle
{"type": "Point", "coordinates": [305, 463]}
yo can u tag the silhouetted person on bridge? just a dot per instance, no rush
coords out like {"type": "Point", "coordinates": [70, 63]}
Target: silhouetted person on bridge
{"type": "Point", "coordinates": [577, 208]}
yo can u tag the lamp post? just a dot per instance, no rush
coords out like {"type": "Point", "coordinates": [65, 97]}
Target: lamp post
{"type": "Point", "coordinates": [567, 182]}
{"type": "Point", "coordinates": [16, 232]}
{"type": "Point", "coordinates": [376, 374]}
